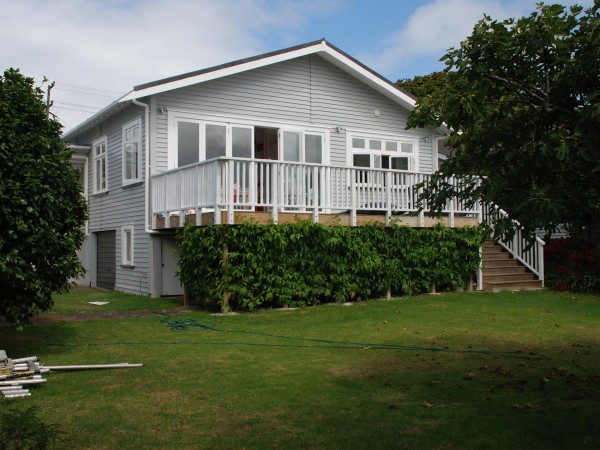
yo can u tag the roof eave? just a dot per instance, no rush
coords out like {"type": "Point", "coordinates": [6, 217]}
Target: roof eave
{"type": "Point", "coordinates": [100, 116]}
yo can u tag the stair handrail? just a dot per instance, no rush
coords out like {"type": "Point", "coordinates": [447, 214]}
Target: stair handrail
{"type": "Point", "coordinates": [531, 256]}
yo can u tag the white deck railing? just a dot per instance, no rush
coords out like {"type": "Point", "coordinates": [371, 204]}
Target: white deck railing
{"type": "Point", "coordinates": [531, 256]}
{"type": "Point", "coordinates": [237, 184]}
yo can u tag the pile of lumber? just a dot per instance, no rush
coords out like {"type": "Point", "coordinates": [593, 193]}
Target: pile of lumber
{"type": "Point", "coordinates": [18, 375]}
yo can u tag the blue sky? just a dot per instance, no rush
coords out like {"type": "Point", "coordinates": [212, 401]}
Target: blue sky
{"type": "Point", "coordinates": [96, 50]}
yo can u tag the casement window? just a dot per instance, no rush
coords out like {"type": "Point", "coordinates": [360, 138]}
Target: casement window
{"type": "Point", "coordinates": [127, 245]}
{"type": "Point", "coordinates": [132, 152]}
{"type": "Point", "coordinates": [199, 141]}
{"type": "Point", "coordinates": [302, 146]}
{"type": "Point", "coordinates": [383, 153]}
{"type": "Point", "coordinates": [192, 141]}
{"type": "Point", "coordinates": [100, 151]}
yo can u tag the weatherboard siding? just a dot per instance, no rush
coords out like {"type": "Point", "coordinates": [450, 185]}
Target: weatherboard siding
{"type": "Point", "coordinates": [305, 91]}
{"type": "Point", "coordinates": [120, 205]}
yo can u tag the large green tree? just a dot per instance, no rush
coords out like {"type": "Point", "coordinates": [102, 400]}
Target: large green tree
{"type": "Point", "coordinates": [41, 206]}
{"type": "Point", "coordinates": [522, 105]}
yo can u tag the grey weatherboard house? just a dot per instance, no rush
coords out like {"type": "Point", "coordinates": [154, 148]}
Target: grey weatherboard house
{"type": "Point", "coordinates": [305, 132]}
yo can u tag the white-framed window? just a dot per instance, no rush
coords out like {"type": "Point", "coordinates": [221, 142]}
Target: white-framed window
{"type": "Point", "coordinates": [193, 139]}
{"type": "Point", "coordinates": [380, 152]}
{"type": "Point", "coordinates": [200, 140]}
{"type": "Point", "coordinates": [100, 154]}
{"type": "Point", "coordinates": [127, 245]}
{"type": "Point", "coordinates": [302, 146]}
{"type": "Point", "coordinates": [132, 152]}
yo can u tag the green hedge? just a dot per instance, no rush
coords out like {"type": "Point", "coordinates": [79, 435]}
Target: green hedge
{"type": "Point", "coordinates": [306, 263]}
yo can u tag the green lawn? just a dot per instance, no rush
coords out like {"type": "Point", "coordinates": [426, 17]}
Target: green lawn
{"type": "Point", "coordinates": [78, 300]}
{"type": "Point", "coordinates": [458, 371]}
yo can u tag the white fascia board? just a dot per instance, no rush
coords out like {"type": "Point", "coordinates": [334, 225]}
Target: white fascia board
{"type": "Point", "coordinates": [220, 73]}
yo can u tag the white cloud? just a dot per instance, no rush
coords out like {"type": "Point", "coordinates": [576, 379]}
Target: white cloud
{"type": "Point", "coordinates": [436, 26]}
{"type": "Point", "coordinates": [117, 44]}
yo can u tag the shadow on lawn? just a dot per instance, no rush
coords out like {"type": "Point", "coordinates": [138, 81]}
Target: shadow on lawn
{"type": "Point", "coordinates": [34, 340]}
{"type": "Point", "coordinates": [538, 403]}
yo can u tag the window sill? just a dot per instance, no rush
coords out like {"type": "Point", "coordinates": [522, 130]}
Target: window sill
{"type": "Point", "coordinates": [132, 184]}
{"type": "Point", "coordinates": [127, 266]}
{"type": "Point", "coordinates": [99, 193]}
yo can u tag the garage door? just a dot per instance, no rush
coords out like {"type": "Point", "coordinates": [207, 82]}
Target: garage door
{"type": "Point", "coordinates": [106, 259]}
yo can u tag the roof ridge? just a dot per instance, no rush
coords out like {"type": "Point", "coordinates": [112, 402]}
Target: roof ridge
{"type": "Point", "coordinates": [237, 62]}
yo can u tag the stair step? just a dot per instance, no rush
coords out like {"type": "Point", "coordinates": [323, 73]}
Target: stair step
{"type": "Point", "coordinates": [494, 249]}
{"type": "Point", "coordinates": [511, 268]}
{"type": "Point", "coordinates": [496, 286]}
{"type": "Point", "coordinates": [508, 276]}
{"type": "Point", "coordinates": [496, 256]}
{"type": "Point", "coordinates": [496, 264]}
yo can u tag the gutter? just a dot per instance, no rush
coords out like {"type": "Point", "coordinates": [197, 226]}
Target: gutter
{"type": "Point", "coordinates": [146, 107]}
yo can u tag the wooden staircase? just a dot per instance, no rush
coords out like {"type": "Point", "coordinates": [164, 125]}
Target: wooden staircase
{"type": "Point", "coordinates": [503, 273]}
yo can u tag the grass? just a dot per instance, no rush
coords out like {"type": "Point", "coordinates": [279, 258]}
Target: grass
{"type": "Point", "coordinates": [78, 300]}
{"type": "Point", "coordinates": [535, 385]}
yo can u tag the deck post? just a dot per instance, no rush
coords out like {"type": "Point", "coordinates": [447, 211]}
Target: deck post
{"type": "Point", "coordinates": [480, 270]}
{"type": "Point", "coordinates": [186, 292]}
{"type": "Point", "coordinates": [218, 190]}
{"type": "Point", "coordinates": [388, 198]}
{"type": "Point", "coordinates": [226, 294]}
{"type": "Point", "coordinates": [275, 192]}
{"type": "Point", "coordinates": [353, 194]}
{"type": "Point", "coordinates": [229, 192]}
{"type": "Point", "coordinates": [315, 193]}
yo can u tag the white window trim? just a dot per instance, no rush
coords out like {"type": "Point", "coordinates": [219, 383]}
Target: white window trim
{"type": "Point", "coordinates": [175, 116]}
{"type": "Point", "coordinates": [137, 122]}
{"type": "Point", "coordinates": [351, 151]}
{"type": "Point", "coordinates": [125, 229]}
{"type": "Point", "coordinates": [96, 143]}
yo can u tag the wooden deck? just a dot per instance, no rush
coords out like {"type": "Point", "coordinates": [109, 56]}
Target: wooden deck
{"type": "Point", "coordinates": [345, 219]}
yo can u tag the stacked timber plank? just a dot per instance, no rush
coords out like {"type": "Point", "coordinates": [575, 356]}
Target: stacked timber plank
{"type": "Point", "coordinates": [18, 375]}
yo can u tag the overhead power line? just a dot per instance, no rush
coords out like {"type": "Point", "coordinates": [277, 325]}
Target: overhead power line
{"type": "Point", "coordinates": [95, 108]}
{"type": "Point", "coordinates": [88, 90]}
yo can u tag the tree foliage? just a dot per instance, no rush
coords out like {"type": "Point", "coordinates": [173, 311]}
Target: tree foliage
{"type": "Point", "coordinates": [41, 206]}
{"type": "Point", "coordinates": [522, 102]}
{"type": "Point", "coordinates": [423, 85]}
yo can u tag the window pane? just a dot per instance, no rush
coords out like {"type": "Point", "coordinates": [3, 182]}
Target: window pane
{"type": "Point", "coordinates": [291, 146]}
{"type": "Point", "coordinates": [407, 148]}
{"type": "Point", "coordinates": [215, 140]}
{"type": "Point", "coordinates": [241, 146]}
{"type": "Point", "coordinates": [188, 137]}
{"type": "Point", "coordinates": [98, 174]}
{"type": "Point", "coordinates": [103, 173]}
{"type": "Point", "coordinates": [128, 245]}
{"type": "Point", "coordinates": [362, 161]}
{"type": "Point", "coordinates": [313, 148]}
{"type": "Point", "coordinates": [385, 162]}
{"type": "Point", "coordinates": [374, 144]}
{"type": "Point", "coordinates": [400, 163]}
{"type": "Point", "coordinates": [391, 146]}
{"type": "Point", "coordinates": [358, 143]}
{"type": "Point", "coordinates": [131, 161]}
